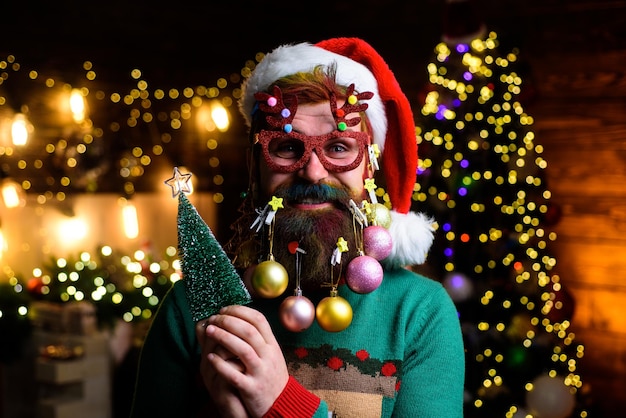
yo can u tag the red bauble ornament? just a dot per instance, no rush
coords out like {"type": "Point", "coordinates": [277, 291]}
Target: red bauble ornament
{"type": "Point", "coordinates": [364, 274]}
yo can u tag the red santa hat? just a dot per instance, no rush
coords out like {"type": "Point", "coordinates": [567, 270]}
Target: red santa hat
{"type": "Point", "coordinates": [389, 113]}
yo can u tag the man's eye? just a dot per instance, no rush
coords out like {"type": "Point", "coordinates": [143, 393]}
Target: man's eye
{"type": "Point", "coordinates": [342, 148]}
{"type": "Point", "coordinates": [337, 148]}
{"type": "Point", "coordinates": [286, 148]}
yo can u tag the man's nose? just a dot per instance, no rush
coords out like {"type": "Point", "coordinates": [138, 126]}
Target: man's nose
{"type": "Point", "coordinates": [313, 171]}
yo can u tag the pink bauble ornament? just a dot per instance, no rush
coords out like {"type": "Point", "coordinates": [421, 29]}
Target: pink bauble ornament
{"type": "Point", "coordinates": [377, 242]}
{"type": "Point", "coordinates": [297, 313]}
{"type": "Point", "coordinates": [364, 274]}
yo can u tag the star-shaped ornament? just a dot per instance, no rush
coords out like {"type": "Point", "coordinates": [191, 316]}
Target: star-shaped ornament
{"type": "Point", "coordinates": [179, 182]}
{"type": "Point", "coordinates": [342, 245]}
{"type": "Point", "coordinates": [370, 186]}
{"type": "Point", "coordinates": [276, 203]}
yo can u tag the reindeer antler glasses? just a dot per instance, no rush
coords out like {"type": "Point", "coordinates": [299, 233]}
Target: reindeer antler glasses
{"type": "Point", "coordinates": [286, 151]}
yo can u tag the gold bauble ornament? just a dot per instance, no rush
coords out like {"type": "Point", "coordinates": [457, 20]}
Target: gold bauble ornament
{"type": "Point", "coordinates": [334, 313]}
{"type": "Point", "coordinates": [270, 279]}
{"type": "Point", "coordinates": [380, 215]}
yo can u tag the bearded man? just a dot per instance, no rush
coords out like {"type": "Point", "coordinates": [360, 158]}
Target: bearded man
{"type": "Point", "coordinates": [320, 117]}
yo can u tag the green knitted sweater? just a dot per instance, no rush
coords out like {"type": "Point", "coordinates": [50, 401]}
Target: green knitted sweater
{"type": "Point", "coordinates": [402, 356]}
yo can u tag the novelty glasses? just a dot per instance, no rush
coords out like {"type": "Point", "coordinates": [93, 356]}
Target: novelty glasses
{"type": "Point", "coordinates": [338, 151]}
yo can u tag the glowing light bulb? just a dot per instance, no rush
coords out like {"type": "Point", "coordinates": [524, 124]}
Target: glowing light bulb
{"type": "Point", "coordinates": [73, 229]}
{"type": "Point", "coordinates": [11, 194]}
{"type": "Point", "coordinates": [219, 116]}
{"type": "Point", "coordinates": [20, 130]}
{"type": "Point", "coordinates": [3, 244]}
{"type": "Point", "coordinates": [77, 106]}
{"type": "Point", "coordinates": [131, 223]}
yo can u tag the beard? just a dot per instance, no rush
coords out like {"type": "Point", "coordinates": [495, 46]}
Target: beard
{"type": "Point", "coordinates": [316, 232]}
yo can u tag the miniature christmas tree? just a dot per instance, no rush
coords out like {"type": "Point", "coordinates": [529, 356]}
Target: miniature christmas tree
{"type": "Point", "coordinates": [211, 280]}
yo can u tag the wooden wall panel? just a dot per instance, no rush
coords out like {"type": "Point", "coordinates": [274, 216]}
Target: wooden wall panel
{"type": "Point", "coordinates": [599, 308]}
{"type": "Point", "coordinates": [602, 369]}
{"type": "Point", "coordinates": [580, 119]}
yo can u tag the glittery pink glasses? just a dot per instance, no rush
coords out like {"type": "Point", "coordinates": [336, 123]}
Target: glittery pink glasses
{"type": "Point", "coordinates": [337, 151]}
{"type": "Point", "coordinates": [286, 151]}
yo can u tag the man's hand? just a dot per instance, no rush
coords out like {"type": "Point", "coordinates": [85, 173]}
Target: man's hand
{"type": "Point", "coordinates": [225, 396]}
{"type": "Point", "coordinates": [242, 364]}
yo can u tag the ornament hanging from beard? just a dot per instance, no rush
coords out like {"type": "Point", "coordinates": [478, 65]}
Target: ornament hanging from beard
{"type": "Point", "coordinates": [315, 231]}
{"type": "Point", "coordinates": [390, 117]}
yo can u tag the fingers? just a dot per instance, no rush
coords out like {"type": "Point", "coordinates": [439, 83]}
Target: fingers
{"type": "Point", "coordinates": [244, 332]}
{"type": "Point", "coordinates": [220, 369]}
{"type": "Point", "coordinates": [250, 316]}
{"type": "Point", "coordinates": [229, 365]}
{"type": "Point", "coordinates": [210, 345]}
{"type": "Point", "coordinates": [207, 345]}
{"type": "Point", "coordinates": [225, 396]}
{"type": "Point", "coordinates": [246, 356]}
{"type": "Point", "coordinates": [232, 335]}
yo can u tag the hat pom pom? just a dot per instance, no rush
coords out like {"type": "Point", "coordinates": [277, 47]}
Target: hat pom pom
{"type": "Point", "coordinates": [413, 235]}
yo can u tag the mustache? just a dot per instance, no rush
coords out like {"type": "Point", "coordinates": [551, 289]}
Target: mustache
{"type": "Point", "coordinates": [298, 192]}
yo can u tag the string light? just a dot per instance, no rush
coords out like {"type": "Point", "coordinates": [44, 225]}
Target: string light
{"type": "Point", "coordinates": [160, 113]}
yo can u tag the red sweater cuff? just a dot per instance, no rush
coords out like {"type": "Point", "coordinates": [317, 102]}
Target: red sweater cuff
{"type": "Point", "coordinates": [293, 401]}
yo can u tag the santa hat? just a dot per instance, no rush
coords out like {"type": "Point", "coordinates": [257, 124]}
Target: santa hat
{"type": "Point", "coordinates": [389, 113]}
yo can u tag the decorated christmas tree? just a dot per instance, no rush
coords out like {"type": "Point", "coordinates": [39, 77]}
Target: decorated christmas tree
{"type": "Point", "coordinates": [482, 179]}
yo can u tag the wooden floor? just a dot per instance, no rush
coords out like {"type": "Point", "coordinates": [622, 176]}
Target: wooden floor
{"type": "Point", "coordinates": [578, 68]}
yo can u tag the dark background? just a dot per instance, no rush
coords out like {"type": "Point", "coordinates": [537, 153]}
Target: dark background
{"type": "Point", "coordinates": [574, 52]}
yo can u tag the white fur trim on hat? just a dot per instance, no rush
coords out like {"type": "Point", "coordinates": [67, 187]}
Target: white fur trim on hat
{"type": "Point", "coordinates": [412, 234]}
{"type": "Point", "coordinates": [304, 57]}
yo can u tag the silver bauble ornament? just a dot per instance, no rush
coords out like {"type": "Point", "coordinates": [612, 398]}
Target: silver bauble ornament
{"type": "Point", "coordinates": [297, 312]}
